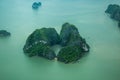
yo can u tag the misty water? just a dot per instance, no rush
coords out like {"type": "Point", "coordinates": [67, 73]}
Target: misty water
{"type": "Point", "coordinates": [101, 33]}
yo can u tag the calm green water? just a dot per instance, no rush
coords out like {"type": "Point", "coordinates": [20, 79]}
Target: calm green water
{"type": "Point", "coordinates": [102, 34]}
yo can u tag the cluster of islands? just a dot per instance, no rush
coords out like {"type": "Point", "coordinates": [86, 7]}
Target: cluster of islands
{"type": "Point", "coordinates": [74, 46]}
{"type": "Point", "coordinates": [39, 43]}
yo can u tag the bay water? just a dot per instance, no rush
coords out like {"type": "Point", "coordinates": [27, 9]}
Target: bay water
{"type": "Point", "coordinates": [101, 33]}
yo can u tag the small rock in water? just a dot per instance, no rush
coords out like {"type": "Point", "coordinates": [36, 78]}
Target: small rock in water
{"type": "Point", "coordinates": [36, 5]}
{"type": "Point", "coordinates": [114, 11]}
{"type": "Point", "coordinates": [4, 33]}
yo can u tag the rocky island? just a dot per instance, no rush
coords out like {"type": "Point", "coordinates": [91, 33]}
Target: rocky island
{"type": "Point", "coordinates": [74, 46]}
{"type": "Point", "coordinates": [36, 5]}
{"type": "Point", "coordinates": [4, 33]}
{"type": "Point", "coordinates": [39, 43]}
{"type": "Point", "coordinates": [114, 11]}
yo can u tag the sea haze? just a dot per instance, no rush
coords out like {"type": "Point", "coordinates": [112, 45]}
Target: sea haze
{"type": "Point", "coordinates": [100, 32]}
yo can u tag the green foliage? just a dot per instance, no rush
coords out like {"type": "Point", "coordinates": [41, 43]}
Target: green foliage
{"type": "Point", "coordinates": [47, 34]}
{"type": "Point", "coordinates": [39, 42]}
{"type": "Point", "coordinates": [36, 49]}
{"type": "Point", "coordinates": [69, 54]}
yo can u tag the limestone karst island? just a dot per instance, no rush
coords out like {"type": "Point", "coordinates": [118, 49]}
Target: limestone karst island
{"type": "Point", "coordinates": [39, 43]}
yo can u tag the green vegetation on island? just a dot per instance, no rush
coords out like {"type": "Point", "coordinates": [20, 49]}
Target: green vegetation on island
{"type": "Point", "coordinates": [70, 36]}
{"type": "Point", "coordinates": [74, 46]}
{"type": "Point", "coordinates": [70, 54]}
{"type": "Point", "coordinates": [40, 41]}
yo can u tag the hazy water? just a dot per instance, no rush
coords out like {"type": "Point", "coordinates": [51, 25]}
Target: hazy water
{"type": "Point", "coordinates": [102, 34]}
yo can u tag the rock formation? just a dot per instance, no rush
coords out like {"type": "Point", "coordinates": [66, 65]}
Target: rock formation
{"type": "Point", "coordinates": [70, 36]}
{"type": "Point", "coordinates": [114, 11]}
{"type": "Point", "coordinates": [36, 5]}
{"type": "Point", "coordinates": [40, 41]}
{"type": "Point", "coordinates": [74, 46]}
{"type": "Point", "coordinates": [4, 33]}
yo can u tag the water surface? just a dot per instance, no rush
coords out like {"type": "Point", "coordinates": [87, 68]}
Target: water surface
{"type": "Point", "coordinates": [101, 33]}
